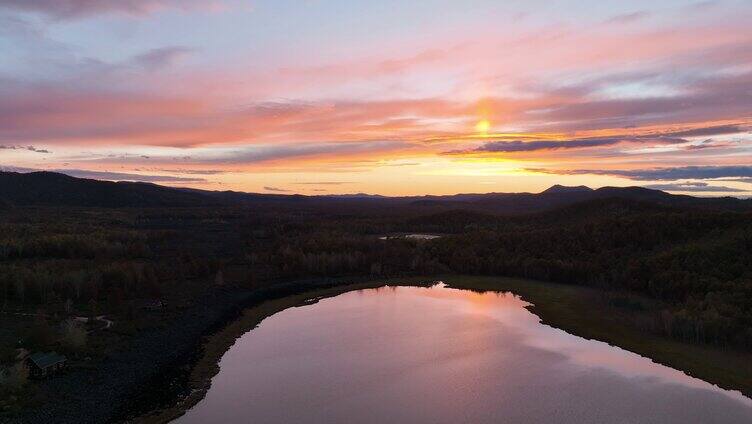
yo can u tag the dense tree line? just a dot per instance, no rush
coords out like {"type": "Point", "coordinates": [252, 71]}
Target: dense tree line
{"type": "Point", "coordinates": [696, 264]}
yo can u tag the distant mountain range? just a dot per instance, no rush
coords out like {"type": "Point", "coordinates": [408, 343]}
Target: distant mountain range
{"type": "Point", "coordinates": [54, 189]}
{"type": "Point", "coordinates": [565, 189]}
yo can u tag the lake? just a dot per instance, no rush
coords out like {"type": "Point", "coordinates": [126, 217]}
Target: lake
{"type": "Point", "coordinates": [441, 355]}
{"type": "Point", "coordinates": [411, 237]}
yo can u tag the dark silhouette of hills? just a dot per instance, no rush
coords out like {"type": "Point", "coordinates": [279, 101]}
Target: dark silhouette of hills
{"type": "Point", "coordinates": [355, 196]}
{"type": "Point", "coordinates": [566, 189]}
{"type": "Point", "coordinates": [54, 189]}
{"type": "Point", "coordinates": [521, 203]}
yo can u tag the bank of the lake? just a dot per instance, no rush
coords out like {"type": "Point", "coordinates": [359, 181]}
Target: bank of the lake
{"type": "Point", "coordinates": [150, 371]}
{"type": "Point", "coordinates": [583, 312]}
{"type": "Point", "coordinates": [577, 310]}
{"type": "Point", "coordinates": [206, 364]}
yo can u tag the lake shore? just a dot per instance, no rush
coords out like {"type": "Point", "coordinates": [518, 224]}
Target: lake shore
{"type": "Point", "coordinates": [167, 370]}
{"type": "Point", "coordinates": [215, 345]}
{"type": "Point", "coordinates": [578, 311]}
{"type": "Point", "coordinates": [569, 308]}
{"type": "Point", "coordinates": [152, 370]}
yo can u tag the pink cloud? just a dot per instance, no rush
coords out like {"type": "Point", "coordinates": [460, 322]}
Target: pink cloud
{"type": "Point", "coordinates": [541, 80]}
{"type": "Point", "coordinates": [68, 9]}
{"type": "Point", "coordinates": [53, 114]}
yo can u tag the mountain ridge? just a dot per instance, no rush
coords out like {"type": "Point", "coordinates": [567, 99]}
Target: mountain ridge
{"type": "Point", "coordinates": [55, 189]}
{"type": "Point", "coordinates": [558, 188]}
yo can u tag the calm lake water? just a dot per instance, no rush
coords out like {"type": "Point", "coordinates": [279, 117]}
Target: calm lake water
{"type": "Point", "coordinates": [411, 236]}
{"type": "Point", "coordinates": [439, 355]}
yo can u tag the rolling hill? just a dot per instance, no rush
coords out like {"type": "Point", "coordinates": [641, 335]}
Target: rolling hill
{"type": "Point", "coordinates": [54, 189]}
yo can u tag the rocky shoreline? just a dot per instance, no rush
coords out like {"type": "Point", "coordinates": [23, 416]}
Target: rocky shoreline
{"type": "Point", "coordinates": [152, 371]}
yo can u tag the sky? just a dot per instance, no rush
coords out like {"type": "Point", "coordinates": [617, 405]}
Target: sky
{"type": "Point", "coordinates": [388, 97]}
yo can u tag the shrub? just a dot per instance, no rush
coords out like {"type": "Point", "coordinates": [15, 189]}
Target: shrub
{"type": "Point", "coordinates": [15, 377]}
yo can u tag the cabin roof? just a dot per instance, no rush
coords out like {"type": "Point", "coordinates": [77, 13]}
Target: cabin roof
{"type": "Point", "coordinates": [46, 359]}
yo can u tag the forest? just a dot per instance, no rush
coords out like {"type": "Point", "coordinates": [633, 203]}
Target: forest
{"type": "Point", "coordinates": [84, 281]}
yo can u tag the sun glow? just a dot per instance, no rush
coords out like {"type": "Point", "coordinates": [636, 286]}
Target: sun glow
{"type": "Point", "coordinates": [483, 126]}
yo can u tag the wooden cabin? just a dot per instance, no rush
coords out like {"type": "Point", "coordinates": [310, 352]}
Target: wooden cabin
{"type": "Point", "coordinates": [45, 364]}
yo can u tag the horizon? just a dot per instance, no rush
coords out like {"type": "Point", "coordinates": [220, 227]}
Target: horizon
{"type": "Point", "coordinates": [332, 98]}
{"type": "Point", "coordinates": [377, 195]}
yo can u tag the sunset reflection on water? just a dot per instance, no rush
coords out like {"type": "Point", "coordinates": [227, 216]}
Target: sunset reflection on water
{"type": "Point", "coordinates": [411, 354]}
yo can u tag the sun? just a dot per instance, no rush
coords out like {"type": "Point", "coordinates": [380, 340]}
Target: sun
{"type": "Point", "coordinates": [483, 126]}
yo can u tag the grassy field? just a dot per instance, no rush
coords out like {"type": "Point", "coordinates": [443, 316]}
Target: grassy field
{"type": "Point", "coordinates": [577, 310]}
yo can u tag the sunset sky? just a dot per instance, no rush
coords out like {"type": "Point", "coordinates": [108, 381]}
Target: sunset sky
{"type": "Point", "coordinates": [387, 97]}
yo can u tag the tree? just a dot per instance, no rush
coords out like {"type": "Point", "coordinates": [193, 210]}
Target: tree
{"type": "Point", "coordinates": [93, 308]}
{"type": "Point", "coordinates": [41, 334]}
{"type": "Point", "coordinates": [20, 288]}
{"type": "Point", "coordinates": [7, 354]}
{"type": "Point", "coordinates": [15, 377]}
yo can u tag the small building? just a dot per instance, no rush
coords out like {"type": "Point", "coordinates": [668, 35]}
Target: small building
{"type": "Point", "coordinates": [45, 364]}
